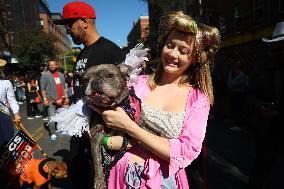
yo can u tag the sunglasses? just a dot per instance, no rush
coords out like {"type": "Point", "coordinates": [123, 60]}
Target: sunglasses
{"type": "Point", "coordinates": [69, 23]}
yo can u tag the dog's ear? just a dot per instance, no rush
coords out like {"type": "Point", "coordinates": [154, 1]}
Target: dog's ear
{"type": "Point", "coordinates": [124, 69]}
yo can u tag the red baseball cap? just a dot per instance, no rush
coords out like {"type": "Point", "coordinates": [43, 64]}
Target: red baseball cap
{"type": "Point", "coordinates": [75, 10]}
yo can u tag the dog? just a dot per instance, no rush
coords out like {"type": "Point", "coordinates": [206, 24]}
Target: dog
{"type": "Point", "coordinates": [105, 87]}
{"type": "Point", "coordinates": [41, 171]}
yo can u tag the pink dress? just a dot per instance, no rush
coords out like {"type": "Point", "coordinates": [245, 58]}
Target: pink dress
{"type": "Point", "coordinates": [183, 150]}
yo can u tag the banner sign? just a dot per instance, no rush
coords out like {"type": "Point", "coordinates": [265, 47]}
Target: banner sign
{"type": "Point", "coordinates": [16, 153]}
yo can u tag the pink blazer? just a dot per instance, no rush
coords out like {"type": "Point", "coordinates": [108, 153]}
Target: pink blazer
{"type": "Point", "coordinates": [183, 150]}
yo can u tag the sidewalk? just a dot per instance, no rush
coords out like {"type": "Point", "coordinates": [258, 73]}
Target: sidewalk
{"type": "Point", "coordinates": [230, 156]}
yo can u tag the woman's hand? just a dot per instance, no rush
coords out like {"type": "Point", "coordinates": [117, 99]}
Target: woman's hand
{"type": "Point", "coordinates": [115, 118]}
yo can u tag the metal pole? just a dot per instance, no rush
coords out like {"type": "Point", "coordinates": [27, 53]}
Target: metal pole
{"type": "Point", "coordinates": [201, 10]}
{"type": "Point", "coordinates": [64, 63]}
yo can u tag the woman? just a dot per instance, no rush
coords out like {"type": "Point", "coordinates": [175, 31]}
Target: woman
{"type": "Point", "coordinates": [31, 93]}
{"type": "Point", "coordinates": [7, 102]}
{"type": "Point", "coordinates": [177, 98]}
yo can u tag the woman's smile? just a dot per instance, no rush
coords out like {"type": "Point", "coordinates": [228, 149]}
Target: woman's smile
{"type": "Point", "coordinates": [171, 63]}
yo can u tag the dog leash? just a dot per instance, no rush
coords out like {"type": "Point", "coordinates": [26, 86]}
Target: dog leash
{"type": "Point", "coordinates": [20, 125]}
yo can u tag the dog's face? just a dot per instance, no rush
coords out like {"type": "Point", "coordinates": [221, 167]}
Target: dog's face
{"type": "Point", "coordinates": [60, 170]}
{"type": "Point", "coordinates": [105, 85]}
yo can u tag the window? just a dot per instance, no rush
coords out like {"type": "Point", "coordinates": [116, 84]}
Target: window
{"type": "Point", "coordinates": [222, 25]}
{"type": "Point", "coordinates": [241, 16]}
{"type": "Point", "coordinates": [258, 10]}
{"type": "Point", "coordinates": [209, 16]}
{"type": "Point", "coordinates": [41, 24]}
{"type": "Point", "coordinates": [281, 6]}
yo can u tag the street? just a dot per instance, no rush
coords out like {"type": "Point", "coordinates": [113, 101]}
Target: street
{"type": "Point", "coordinates": [229, 154]}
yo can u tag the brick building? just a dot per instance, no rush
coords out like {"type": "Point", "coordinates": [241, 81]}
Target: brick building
{"type": "Point", "coordinates": [242, 24]}
{"type": "Point", "coordinates": [63, 43]}
{"type": "Point", "coordinates": [28, 15]}
{"type": "Point", "coordinates": [139, 33]}
{"type": "Point", "coordinates": [4, 37]}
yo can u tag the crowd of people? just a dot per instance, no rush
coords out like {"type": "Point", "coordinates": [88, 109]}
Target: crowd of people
{"type": "Point", "coordinates": [30, 90]}
{"type": "Point", "coordinates": [176, 97]}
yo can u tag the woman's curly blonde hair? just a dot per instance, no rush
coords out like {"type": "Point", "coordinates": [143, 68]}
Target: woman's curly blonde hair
{"type": "Point", "coordinates": [206, 44]}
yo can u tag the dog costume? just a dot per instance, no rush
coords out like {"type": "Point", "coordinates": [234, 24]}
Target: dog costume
{"type": "Point", "coordinates": [36, 171]}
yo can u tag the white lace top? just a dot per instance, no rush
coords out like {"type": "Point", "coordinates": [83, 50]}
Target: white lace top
{"type": "Point", "coordinates": [170, 122]}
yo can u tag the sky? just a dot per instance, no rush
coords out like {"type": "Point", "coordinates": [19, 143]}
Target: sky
{"type": "Point", "coordinates": [114, 17]}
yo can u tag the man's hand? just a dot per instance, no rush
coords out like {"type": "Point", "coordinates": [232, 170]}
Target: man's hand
{"type": "Point", "coordinates": [64, 101]}
{"type": "Point", "coordinates": [45, 102]}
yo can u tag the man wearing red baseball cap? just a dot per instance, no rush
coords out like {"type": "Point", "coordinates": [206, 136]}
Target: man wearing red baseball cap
{"type": "Point", "coordinates": [79, 19]}
{"type": "Point", "coordinates": [76, 10]}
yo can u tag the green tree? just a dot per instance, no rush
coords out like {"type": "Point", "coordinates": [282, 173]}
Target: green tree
{"type": "Point", "coordinates": [68, 59]}
{"type": "Point", "coordinates": [33, 48]}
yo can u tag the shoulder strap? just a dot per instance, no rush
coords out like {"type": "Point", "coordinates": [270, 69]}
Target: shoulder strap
{"type": "Point", "coordinates": [2, 103]}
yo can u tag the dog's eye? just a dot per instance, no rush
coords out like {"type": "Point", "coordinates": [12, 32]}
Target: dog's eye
{"type": "Point", "coordinates": [110, 75]}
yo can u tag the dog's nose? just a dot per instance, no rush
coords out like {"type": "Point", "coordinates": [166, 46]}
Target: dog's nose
{"type": "Point", "coordinates": [94, 83]}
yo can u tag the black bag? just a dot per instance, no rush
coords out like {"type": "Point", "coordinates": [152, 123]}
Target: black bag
{"type": "Point", "coordinates": [6, 126]}
{"type": "Point", "coordinates": [33, 95]}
